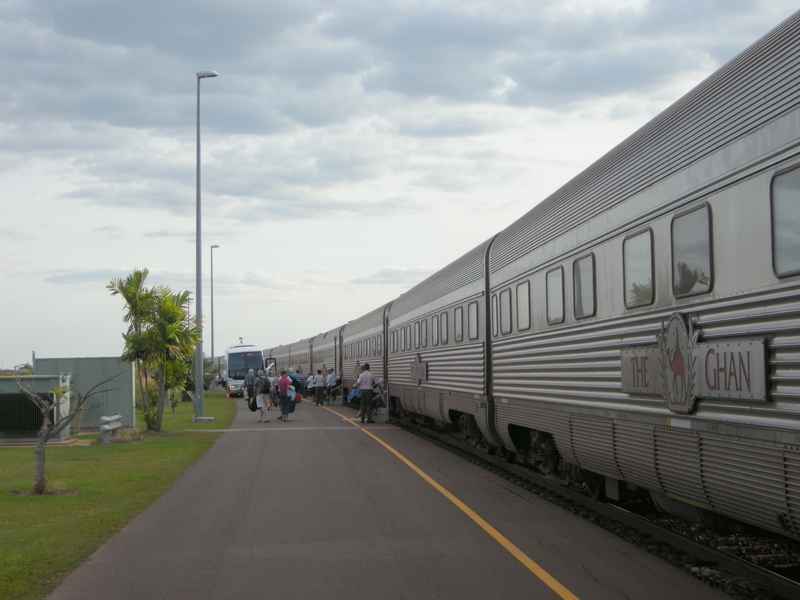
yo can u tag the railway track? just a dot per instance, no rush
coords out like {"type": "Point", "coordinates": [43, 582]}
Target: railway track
{"type": "Point", "coordinates": [736, 576]}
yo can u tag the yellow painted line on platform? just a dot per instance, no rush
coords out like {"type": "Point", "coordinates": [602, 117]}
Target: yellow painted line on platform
{"type": "Point", "coordinates": [546, 578]}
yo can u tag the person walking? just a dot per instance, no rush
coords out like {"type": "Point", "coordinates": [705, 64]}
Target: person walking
{"type": "Point", "coordinates": [276, 396]}
{"type": "Point", "coordinates": [365, 383]}
{"type": "Point", "coordinates": [309, 385]}
{"type": "Point", "coordinates": [249, 385]}
{"type": "Point", "coordinates": [319, 387]}
{"type": "Point", "coordinates": [262, 400]}
{"type": "Point", "coordinates": [284, 383]}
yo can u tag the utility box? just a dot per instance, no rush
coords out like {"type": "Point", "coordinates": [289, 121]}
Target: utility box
{"type": "Point", "coordinates": [113, 397]}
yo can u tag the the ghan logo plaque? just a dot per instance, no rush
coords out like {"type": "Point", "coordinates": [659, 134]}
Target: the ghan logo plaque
{"type": "Point", "coordinates": [681, 369]}
{"type": "Point", "coordinates": [677, 361]}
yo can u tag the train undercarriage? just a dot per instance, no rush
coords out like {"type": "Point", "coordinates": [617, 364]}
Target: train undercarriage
{"type": "Point", "coordinates": [537, 450]}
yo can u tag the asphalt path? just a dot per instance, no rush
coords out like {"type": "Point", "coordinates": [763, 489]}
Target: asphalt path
{"type": "Point", "coordinates": [317, 508]}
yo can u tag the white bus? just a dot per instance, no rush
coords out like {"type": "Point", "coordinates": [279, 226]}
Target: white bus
{"type": "Point", "coordinates": [240, 359]}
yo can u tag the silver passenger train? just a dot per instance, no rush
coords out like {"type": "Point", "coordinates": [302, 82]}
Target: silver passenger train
{"type": "Point", "coordinates": [640, 327]}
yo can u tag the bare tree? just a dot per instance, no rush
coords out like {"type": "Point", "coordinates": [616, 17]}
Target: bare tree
{"type": "Point", "coordinates": [50, 429]}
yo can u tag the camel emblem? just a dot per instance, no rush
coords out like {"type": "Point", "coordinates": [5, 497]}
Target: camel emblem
{"type": "Point", "coordinates": [677, 342]}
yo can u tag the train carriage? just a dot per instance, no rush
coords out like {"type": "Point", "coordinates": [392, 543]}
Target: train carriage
{"type": "Point", "coordinates": [299, 359]}
{"type": "Point", "coordinates": [363, 342]}
{"type": "Point", "coordinates": [326, 351]}
{"type": "Point", "coordinates": [645, 316]}
{"type": "Point", "coordinates": [280, 354]}
{"type": "Point", "coordinates": [437, 334]}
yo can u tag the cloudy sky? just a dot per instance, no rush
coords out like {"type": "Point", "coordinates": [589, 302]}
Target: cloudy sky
{"type": "Point", "coordinates": [350, 148]}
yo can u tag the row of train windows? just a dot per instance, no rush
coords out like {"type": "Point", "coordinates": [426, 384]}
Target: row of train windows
{"type": "Point", "coordinates": [372, 346]}
{"type": "Point", "coordinates": [402, 339]}
{"type": "Point", "coordinates": [322, 354]}
{"type": "Point", "coordinates": [692, 263]}
{"type": "Point", "coordinates": [692, 273]}
{"type": "Point", "coordinates": [691, 267]}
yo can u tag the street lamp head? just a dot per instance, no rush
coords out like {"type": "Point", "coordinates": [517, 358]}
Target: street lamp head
{"type": "Point", "coordinates": [215, 246]}
{"type": "Point", "coordinates": [204, 74]}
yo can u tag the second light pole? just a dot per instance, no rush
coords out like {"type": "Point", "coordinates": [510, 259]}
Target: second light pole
{"type": "Point", "coordinates": [198, 356]}
{"type": "Point", "coordinates": [213, 356]}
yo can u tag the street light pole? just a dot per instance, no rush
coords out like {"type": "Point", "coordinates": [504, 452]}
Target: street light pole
{"type": "Point", "coordinates": [212, 303]}
{"type": "Point", "coordinates": [198, 356]}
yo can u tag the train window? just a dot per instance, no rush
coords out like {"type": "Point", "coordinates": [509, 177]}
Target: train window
{"type": "Point", "coordinates": [505, 311]}
{"type": "Point", "coordinates": [408, 337]}
{"type": "Point", "coordinates": [583, 287]}
{"type": "Point", "coordinates": [424, 332]}
{"type": "Point", "coordinates": [524, 306]}
{"type": "Point", "coordinates": [416, 334]}
{"type": "Point", "coordinates": [786, 223]}
{"type": "Point", "coordinates": [472, 320]}
{"type": "Point", "coordinates": [359, 349]}
{"type": "Point", "coordinates": [458, 324]}
{"type": "Point", "coordinates": [691, 253]}
{"type": "Point", "coordinates": [555, 296]}
{"type": "Point", "coordinates": [402, 338]}
{"type": "Point", "coordinates": [637, 262]}
{"type": "Point", "coordinates": [444, 328]}
{"type": "Point", "coordinates": [435, 330]}
{"type": "Point", "coordinates": [495, 316]}
{"type": "Point", "coordinates": [380, 344]}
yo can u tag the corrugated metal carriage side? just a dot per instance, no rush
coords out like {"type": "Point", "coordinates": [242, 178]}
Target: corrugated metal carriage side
{"type": "Point", "coordinates": [436, 340]}
{"type": "Point", "coordinates": [300, 357]}
{"type": "Point", "coordinates": [326, 349]}
{"type": "Point", "coordinates": [363, 342]}
{"type": "Point", "coordinates": [733, 452]}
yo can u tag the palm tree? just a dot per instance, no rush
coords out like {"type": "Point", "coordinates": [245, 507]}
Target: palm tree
{"type": "Point", "coordinates": [139, 304]}
{"type": "Point", "coordinates": [160, 333]}
{"type": "Point", "coordinates": [171, 336]}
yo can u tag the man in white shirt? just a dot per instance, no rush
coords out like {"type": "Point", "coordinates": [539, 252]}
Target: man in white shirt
{"type": "Point", "coordinates": [365, 383]}
{"type": "Point", "coordinates": [330, 383]}
{"type": "Point", "coordinates": [319, 387]}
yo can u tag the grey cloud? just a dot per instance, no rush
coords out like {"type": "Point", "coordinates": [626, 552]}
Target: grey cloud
{"type": "Point", "coordinates": [81, 276]}
{"type": "Point", "coordinates": [15, 235]}
{"type": "Point", "coordinates": [447, 125]}
{"type": "Point", "coordinates": [405, 276]}
{"type": "Point", "coordinates": [110, 231]}
{"type": "Point", "coordinates": [171, 233]}
{"type": "Point", "coordinates": [176, 280]}
{"type": "Point", "coordinates": [315, 63]}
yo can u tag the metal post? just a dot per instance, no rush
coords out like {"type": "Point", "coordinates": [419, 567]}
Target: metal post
{"type": "Point", "coordinates": [198, 356]}
{"type": "Point", "coordinates": [213, 356]}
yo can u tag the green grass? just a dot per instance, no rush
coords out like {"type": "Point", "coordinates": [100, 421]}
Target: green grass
{"type": "Point", "coordinates": [215, 404]}
{"type": "Point", "coordinates": [43, 538]}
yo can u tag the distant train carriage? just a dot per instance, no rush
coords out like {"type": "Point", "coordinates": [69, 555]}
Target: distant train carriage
{"type": "Point", "coordinates": [326, 351]}
{"type": "Point", "coordinates": [642, 324]}
{"type": "Point", "coordinates": [437, 335]}
{"type": "Point", "coordinates": [363, 342]}
{"type": "Point", "coordinates": [300, 358]}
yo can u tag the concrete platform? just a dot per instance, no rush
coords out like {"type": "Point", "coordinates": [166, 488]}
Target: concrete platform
{"type": "Point", "coordinates": [318, 508]}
